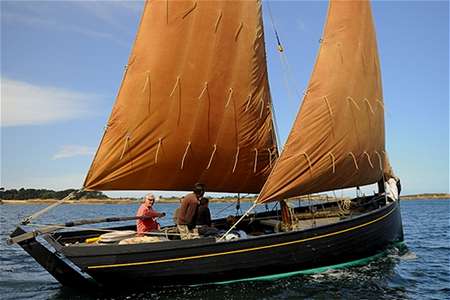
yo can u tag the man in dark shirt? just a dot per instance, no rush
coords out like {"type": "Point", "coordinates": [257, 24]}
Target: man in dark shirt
{"type": "Point", "coordinates": [203, 222]}
{"type": "Point", "coordinates": [203, 214]}
{"type": "Point", "coordinates": [188, 210]}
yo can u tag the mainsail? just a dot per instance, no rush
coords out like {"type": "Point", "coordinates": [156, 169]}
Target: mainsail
{"type": "Point", "coordinates": [194, 105]}
{"type": "Point", "coordinates": [337, 140]}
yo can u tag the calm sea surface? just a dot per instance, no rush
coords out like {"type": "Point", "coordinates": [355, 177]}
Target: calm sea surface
{"type": "Point", "coordinates": [421, 271]}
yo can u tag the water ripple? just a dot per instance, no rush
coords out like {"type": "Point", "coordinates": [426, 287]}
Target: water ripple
{"type": "Point", "coordinates": [419, 271]}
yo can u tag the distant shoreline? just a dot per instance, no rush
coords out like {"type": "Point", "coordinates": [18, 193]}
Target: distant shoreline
{"type": "Point", "coordinates": [426, 197]}
{"type": "Point", "coordinates": [81, 201]}
{"type": "Point", "coordinates": [421, 197]}
{"type": "Point", "coordinates": [108, 201]}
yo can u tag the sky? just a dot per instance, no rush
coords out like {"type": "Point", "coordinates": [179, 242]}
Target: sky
{"type": "Point", "coordinates": [62, 63]}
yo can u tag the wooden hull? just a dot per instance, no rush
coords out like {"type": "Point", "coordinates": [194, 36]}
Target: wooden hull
{"type": "Point", "coordinates": [206, 261]}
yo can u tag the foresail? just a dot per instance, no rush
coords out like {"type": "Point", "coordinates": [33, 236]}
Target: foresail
{"type": "Point", "coordinates": [194, 105]}
{"type": "Point", "coordinates": [388, 171]}
{"type": "Point", "coordinates": [337, 140]}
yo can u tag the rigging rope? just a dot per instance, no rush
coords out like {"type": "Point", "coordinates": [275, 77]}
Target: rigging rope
{"type": "Point", "coordinates": [275, 124]}
{"type": "Point", "coordinates": [279, 46]}
{"type": "Point", "coordinates": [217, 214]}
{"type": "Point", "coordinates": [28, 219]}
{"type": "Point", "coordinates": [238, 221]}
{"type": "Point", "coordinates": [283, 57]}
{"type": "Point", "coordinates": [238, 205]}
{"type": "Point", "coordinates": [286, 70]}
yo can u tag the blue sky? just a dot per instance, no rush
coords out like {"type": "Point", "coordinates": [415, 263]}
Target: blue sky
{"type": "Point", "coordinates": [62, 63]}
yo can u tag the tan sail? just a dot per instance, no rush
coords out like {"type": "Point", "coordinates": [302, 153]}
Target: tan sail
{"type": "Point", "coordinates": [194, 105]}
{"type": "Point", "coordinates": [387, 169]}
{"type": "Point", "coordinates": [337, 140]}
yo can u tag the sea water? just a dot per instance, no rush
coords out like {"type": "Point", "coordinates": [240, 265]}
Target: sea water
{"type": "Point", "coordinates": [421, 270]}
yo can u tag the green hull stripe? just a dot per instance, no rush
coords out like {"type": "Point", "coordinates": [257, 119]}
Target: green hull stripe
{"type": "Point", "coordinates": [358, 262]}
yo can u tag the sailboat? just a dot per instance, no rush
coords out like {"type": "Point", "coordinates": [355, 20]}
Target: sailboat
{"type": "Point", "coordinates": [195, 106]}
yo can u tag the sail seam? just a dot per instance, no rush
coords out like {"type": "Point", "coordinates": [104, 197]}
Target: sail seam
{"type": "Point", "coordinates": [332, 161]}
{"type": "Point", "coordinates": [370, 106]}
{"type": "Point", "coordinates": [308, 160]}
{"type": "Point", "coordinates": [368, 158]}
{"type": "Point", "coordinates": [175, 86]}
{"type": "Point", "coordinates": [379, 159]}
{"type": "Point", "coordinates": [270, 157]}
{"type": "Point", "coordinates": [238, 31]}
{"type": "Point", "coordinates": [219, 18]}
{"type": "Point", "coordinates": [146, 82]}
{"type": "Point", "coordinates": [381, 104]}
{"type": "Point", "coordinates": [353, 101]}
{"type": "Point", "coordinates": [330, 111]}
{"type": "Point", "coordinates": [185, 154]}
{"type": "Point", "coordinates": [230, 94]}
{"type": "Point", "coordinates": [203, 91]}
{"type": "Point", "coordinates": [354, 160]}
{"type": "Point", "coordinates": [157, 150]}
{"type": "Point", "coordinates": [190, 10]}
{"type": "Point", "coordinates": [149, 84]}
{"type": "Point", "coordinates": [212, 155]}
{"type": "Point", "coordinates": [167, 12]}
{"type": "Point", "coordinates": [262, 108]}
{"type": "Point", "coordinates": [256, 160]}
{"type": "Point", "coordinates": [249, 98]}
{"type": "Point", "coordinates": [236, 159]}
{"type": "Point", "coordinates": [125, 146]}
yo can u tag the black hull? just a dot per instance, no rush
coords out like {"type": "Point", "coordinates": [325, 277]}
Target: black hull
{"type": "Point", "coordinates": [206, 261]}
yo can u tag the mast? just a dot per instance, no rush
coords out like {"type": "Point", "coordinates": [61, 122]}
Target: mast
{"type": "Point", "coordinates": [337, 140]}
{"type": "Point", "coordinates": [194, 104]}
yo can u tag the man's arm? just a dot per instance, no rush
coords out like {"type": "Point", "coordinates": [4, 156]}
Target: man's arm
{"type": "Point", "coordinates": [154, 214]}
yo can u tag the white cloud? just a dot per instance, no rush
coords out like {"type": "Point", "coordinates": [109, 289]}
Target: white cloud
{"type": "Point", "coordinates": [67, 151]}
{"type": "Point", "coordinates": [107, 20]}
{"type": "Point", "coordinates": [109, 11]}
{"type": "Point", "coordinates": [30, 20]}
{"type": "Point", "coordinates": [27, 104]}
{"type": "Point", "coordinates": [39, 21]}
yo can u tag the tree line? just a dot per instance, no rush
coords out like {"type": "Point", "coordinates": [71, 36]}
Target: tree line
{"type": "Point", "coordinates": [24, 194]}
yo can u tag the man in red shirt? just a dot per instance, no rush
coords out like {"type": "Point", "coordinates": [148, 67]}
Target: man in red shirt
{"type": "Point", "coordinates": [146, 210]}
{"type": "Point", "coordinates": [188, 211]}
